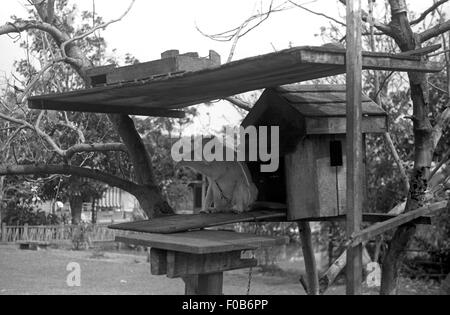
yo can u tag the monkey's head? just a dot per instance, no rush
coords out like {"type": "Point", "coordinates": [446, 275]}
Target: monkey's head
{"type": "Point", "coordinates": [202, 167]}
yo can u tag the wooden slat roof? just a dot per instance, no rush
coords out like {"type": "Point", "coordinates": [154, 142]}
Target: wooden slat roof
{"type": "Point", "coordinates": [323, 100]}
{"type": "Point", "coordinates": [164, 95]}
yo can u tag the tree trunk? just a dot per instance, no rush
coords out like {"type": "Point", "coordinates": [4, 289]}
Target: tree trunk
{"type": "Point", "coordinates": [149, 196]}
{"type": "Point", "coordinates": [423, 134]}
{"type": "Point", "coordinates": [76, 208]}
{"type": "Point", "coordinates": [94, 212]}
{"type": "Point", "coordinates": [2, 178]}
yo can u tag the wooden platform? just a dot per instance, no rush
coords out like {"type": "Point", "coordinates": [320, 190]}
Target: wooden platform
{"type": "Point", "coordinates": [203, 242]}
{"type": "Point", "coordinates": [188, 222]}
{"type": "Point", "coordinates": [164, 95]}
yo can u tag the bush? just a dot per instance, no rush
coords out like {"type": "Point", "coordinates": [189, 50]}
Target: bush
{"type": "Point", "coordinates": [18, 214]}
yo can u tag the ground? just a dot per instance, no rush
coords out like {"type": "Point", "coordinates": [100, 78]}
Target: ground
{"type": "Point", "coordinates": [44, 272]}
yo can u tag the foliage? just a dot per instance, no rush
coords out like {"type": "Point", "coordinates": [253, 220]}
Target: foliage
{"type": "Point", "coordinates": [22, 206]}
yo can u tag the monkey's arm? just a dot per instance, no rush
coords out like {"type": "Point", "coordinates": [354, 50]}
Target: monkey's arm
{"type": "Point", "coordinates": [209, 198]}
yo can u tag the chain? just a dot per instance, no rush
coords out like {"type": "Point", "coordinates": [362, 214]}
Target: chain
{"type": "Point", "coordinates": [250, 276]}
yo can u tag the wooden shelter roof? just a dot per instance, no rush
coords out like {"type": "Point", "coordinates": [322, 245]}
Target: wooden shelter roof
{"type": "Point", "coordinates": [165, 95]}
{"type": "Point", "coordinates": [323, 100]}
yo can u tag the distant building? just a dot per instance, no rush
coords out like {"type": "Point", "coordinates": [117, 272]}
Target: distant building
{"type": "Point", "coordinates": [115, 199]}
{"type": "Point", "coordinates": [115, 205]}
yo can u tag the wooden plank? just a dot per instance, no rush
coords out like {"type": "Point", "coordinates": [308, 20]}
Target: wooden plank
{"type": "Point", "coordinates": [302, 196]}
{"type": "Point", "coordinates": [211, 284]}
{"type": "Point", "coordinates": [421, 51]}
{"type": "Point", "coordinates": [203, 242]}
{"type": "Point", "coordinates": [355, 194]}
{"type": "Point", "coordinates": [191, 88]}
{"type": "Point", "coordinates": [371, 218]}
{"type": "Point", "coordinates": [310, 259]}
{"type": "Point", "coordinates": [370, 61]}
{"type": "Point", "coordinates": [336, 268]}
{"type": "Point", "coordinates": [174, 64]}
{"type": "Point", "coordinates": [180, 265]}
{"type": "Point", "coordinates": [95, 71]}
{"type": "Point", "coordinates": [100, 108]}
{"type": "Point", "coordinates": [338, 125]}
{"type": "Point", "coordinates": [380, 228]}
{"type": "Point", "coordinates": [183, 223]}
{"type": "Point", "coordinates": [327, 180]}
{"type": "Point", "coordinates": [158, 262]}
{"type": "Point", "coordinates": [191, 285]}
{"type": "Point", "coordinates": [324, 107]}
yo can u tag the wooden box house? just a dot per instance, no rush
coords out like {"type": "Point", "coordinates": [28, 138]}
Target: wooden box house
{"type": "Point", "coordinates": [171, 62]}
{"type": "Point", "coordinates": [311, 179]}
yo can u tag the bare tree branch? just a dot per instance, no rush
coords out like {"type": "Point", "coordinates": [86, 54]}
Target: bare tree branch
{"type": "Point", "coordinates": [43, 170]}
{"type": "Point", "coordinates": [93, 30]}
{"type": "Point", "coordinates": [69, 153]}
{"type": "Point", "coordinates": [237, 33]}
{"type": "Point", "coordinates": [386, 29]}
{"type": "Point", "coordinates": [398, 161]}
{"type": "Point", "coordinates": [442, 123]}
{"type": "Point", "coordinates": [425, 13]}
{"type": "Point", "coordinates": [73, 127]}
{"type": "Point", "coordinates": [29, 89]}
{"type": "Point", "coordinates": [435, 31]}
{"type": "Point", "coordinates": [318, 13]}
{"type": "Point", "coordinates": [239, 103]}
{"type": "Point", "coordinates": [22, 26]}
{"type": "Point", "coordinates": [99, 147]}
{"type": "Point", "coordinates": [439, 166]}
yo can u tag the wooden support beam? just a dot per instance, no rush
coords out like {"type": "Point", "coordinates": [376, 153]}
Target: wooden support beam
{"type": "Point", "coordinates": [361, 237]}
{"type": "Point", "coordinates": [371, 218]}
{"type": "Point", "coordinates": [101, 108]}
{"type": "Point", "coordinates": [329, 277]}
{"type": "Point", "coordinates": [312, 274]}
{"type": "Point", "coordinates": [354, 144]}
{"type": "Point", "coordinates": [210, 284]}
{"type": "Point", "coordinates": [421, 51]}
{"type": "Point", "coordinates": [181, 264]}
{"type": "Point", "coordinates": [158, 262]}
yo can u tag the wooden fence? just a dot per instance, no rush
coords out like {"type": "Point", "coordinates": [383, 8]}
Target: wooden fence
{"type": "Point", "coordinates": [15, 234]}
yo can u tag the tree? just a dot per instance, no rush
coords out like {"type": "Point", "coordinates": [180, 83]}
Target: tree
{"type": "Point", "coordinates": [66, 52]}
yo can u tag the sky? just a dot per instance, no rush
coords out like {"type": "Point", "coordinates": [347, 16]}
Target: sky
{"type": "Point", "coordinates": [152, 27]}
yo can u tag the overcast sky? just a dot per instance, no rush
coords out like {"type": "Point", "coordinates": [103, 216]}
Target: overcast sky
{"type": "Point", "coordinates": [155, 26]}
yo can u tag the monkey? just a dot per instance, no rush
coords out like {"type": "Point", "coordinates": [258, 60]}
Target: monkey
{"type": "Point", "coordinates": [230, 186]}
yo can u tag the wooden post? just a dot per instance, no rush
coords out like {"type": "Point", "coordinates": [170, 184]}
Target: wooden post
{"type": "Point", "coordinates": [354, 144]}
{"type": "Point", "coordinates": [206, 284]}
{"type": "Point", "coordinates": [4, 236]}
{"type": "Point", "coordinates": [25, 232]}
{"type": "Point", "coordinates": [309, 257]}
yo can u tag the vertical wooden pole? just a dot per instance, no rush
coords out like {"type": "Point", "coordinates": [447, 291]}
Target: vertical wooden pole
{"type": "Point", "coordinates": [4, 239]}
{"type": "Point", "coordinates": [312, 274]}
{"type": "Point", "coordinates": [211, 284]}
{"type": "Point", "coordinates": [25, 232]}
{"type": "Point", "coordinates": [208, 284]}
{"type": "Point", "coordinates": [191, 285]}
{"type": "Point", "coordinates": [354, 144]}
